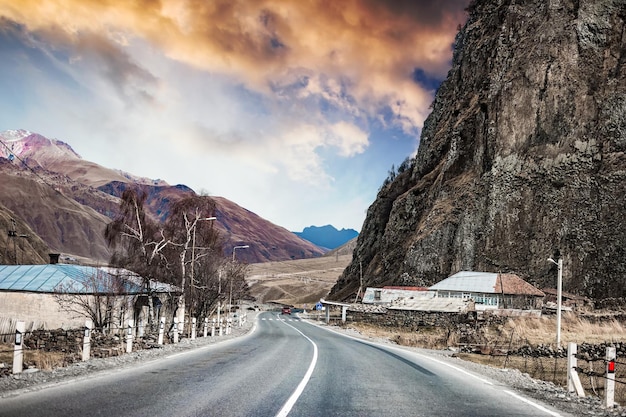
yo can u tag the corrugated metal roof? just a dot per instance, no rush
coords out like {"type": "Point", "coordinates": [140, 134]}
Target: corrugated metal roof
{"type": "Point", "coordinates": [441, 305]}
{"type": "Point", "coordinates": [486, 282]}
{"type": "Point", "coordinates": [68, 278]}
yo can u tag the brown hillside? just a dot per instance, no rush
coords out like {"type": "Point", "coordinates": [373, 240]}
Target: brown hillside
{"type": "Point", "coordinates": [298, 282]}
{"type": "Point", "coordinates": [46, 175]}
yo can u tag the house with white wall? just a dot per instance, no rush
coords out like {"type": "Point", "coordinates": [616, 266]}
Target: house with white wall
{"type": "Point", "coordinates": [32, 293]}
{"type": "Point", "coordinates": [491, 291]}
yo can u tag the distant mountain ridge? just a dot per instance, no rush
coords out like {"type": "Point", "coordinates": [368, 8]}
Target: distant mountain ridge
{"type": "Point", "coordinates": [327, 236]}
{"type": "Point", "coordinates": [67, 202]}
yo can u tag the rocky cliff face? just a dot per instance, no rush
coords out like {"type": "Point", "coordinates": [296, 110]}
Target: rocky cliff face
{"type": "Point", "coordinates": [522, 157]}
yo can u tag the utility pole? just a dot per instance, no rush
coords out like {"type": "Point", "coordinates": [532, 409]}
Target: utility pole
{"type": "Point", "coordinates": [13, 235]}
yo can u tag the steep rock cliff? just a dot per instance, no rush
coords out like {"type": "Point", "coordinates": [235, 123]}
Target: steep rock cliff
{"type": "Point", "coordinates": [522, 157]}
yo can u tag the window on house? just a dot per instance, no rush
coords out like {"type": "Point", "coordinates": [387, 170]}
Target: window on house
{"type": "Point", "coordinates": [377, 295]}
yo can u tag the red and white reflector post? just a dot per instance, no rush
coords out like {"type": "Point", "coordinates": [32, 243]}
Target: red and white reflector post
{"type": "Point", "coordinates": [609, 390]}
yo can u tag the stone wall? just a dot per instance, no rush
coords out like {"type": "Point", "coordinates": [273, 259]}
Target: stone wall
{"type": "Point", "coordinates": [409, 319]}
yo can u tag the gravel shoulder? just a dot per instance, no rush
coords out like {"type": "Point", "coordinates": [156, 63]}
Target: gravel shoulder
{"type": "Point", "coordinates": [33, 380]}
{"type": "Point", "coordinates": [545, 392]}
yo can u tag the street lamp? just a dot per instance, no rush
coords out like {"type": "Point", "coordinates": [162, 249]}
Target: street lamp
{"type": "Point", "coordinates": [559, 286]}
{"type": "Point", "coordinates": [193, 244]}
{"type": "Point", "coordinates": [239, 247]}
{"type": "Point", "coordinates": [230, 296]}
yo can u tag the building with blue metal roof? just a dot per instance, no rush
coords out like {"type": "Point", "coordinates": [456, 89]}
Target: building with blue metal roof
{"type": "Point", "coordinates": [31, 293]}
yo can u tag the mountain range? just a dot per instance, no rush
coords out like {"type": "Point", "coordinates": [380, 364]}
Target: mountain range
{"type": "Point", "coordinates": [55, 201]}
{"type": "Point", "coordinates": [327, 236]}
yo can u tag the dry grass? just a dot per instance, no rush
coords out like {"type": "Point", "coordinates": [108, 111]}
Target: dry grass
{"type": "Point", "coordinates": [516, 332]}
{"type": "Point", "coordinates": [42, 360]}
{"type": "Point", "coordinates": [297, 282]}
{"type": "Point", "coordinates": [428, 337]}
{"type": "Point", "coordinates": [542, 330]}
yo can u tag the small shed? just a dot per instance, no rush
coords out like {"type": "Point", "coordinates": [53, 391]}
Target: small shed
{"type": "Point", "coordinates": [393, 294]}
{"type": "Point", "coordinates": [491, 291]}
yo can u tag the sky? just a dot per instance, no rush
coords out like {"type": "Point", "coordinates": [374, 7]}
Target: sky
{"type": "Point", "coordinates": [295, 110]}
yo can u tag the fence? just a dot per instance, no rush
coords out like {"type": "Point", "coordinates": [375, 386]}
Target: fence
{"type": "Point", "coordinates": [551, 365]}
{"type": "Point", "coordinates": [48, 349]}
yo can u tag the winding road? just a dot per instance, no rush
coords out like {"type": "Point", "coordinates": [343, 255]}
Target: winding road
{"type": "Point", "coordinates": [285, 367]}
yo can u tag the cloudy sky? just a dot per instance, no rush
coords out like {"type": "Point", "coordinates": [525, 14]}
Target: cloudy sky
{"type": "Point", "coordinates": [293, 109]}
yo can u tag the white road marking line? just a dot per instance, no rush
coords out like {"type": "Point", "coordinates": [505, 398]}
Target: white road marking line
{"type": "Point", "coordinates": [300, 388]}
{"type": "Point", "coordinates": [456, 368]}
{"type": "Point", "coordinates": [545, 410]}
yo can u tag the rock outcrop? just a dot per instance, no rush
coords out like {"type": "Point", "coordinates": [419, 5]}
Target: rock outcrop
{"type": "Point", "coordinates": [522, 158]}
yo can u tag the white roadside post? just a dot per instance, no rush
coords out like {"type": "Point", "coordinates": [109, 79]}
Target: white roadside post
{"type": "Point", "coordinates": [161, 330]}
{"type": "Point", "coordinates": [213, 327]}
{"type": "Point", "coordinates": [573, 381]}
{"type": "Point", "coordinates": [175, 329]}
{"type": "Point", "coordinates": [87, 340]}
{"type": "Point", "coordinates": [220, 330]}
{"type": "Point", "coordinates": [193, 328]}
{"type": "Point", "coordinates": [129, 336]}
{"type": "Point", "coordinates": [206, 326]}
{"type": "Point", "coordinates": [18, 353]}
{"type": "Point", "coordinates": [609, 390]}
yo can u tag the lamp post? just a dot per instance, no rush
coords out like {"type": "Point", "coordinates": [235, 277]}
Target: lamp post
{"type": "Point", "coordinates": [193, 253]}
{"type": "Point", "coordinates": [230, 297]}
{"type": "Point", "coordinates": [559, 285]}
{"type": "Point", "coordinates": [193, 244]}
{"type": "Point", "coordinates": [239, 247]}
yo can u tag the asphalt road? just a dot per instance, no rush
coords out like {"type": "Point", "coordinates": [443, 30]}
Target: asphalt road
{"type": "Point", "coordinates": [284, 367]}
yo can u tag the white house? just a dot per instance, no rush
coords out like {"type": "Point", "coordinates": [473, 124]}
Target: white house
{"type": "Point", "coordinates": [490, 291]}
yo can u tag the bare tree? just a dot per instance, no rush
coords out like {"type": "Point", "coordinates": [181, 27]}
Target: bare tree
{"type": "Point", "coordinates": [197, 245]}
{"type": "Point", "coordinates": [138, 242]}
{"type": "Point", "coordinates": [96, 296]}
{"type": "Point", "coordinates": [237, 287]}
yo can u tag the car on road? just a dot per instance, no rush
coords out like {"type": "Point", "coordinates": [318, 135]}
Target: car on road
{"type": "Point", "coordinates": [286, 310]}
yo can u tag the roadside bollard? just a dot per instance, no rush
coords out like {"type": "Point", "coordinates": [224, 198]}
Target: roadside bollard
{"type": "Point", "coordinates": [161, 330]}
{"type": "Point", "coordinates": [213, 328]}
{"type": "Point", "coordinates": [609, 388]}
{"type": "Point", "coordinates": [87, 340]}
{"type": "Point", "coordinates": [18, 353]}
{"type": "Point", "coordinates": [228, 325]}
{"type": "Point", "coordinates": [220, 324]}
{"type": "Point", "coordinates": [129, 336]}
{"type": "Point", "coordinates": [193, 328]}
{"type": "Point", "coordinates": [175, 329]}
{"type": "Point", "coordinates": [206, 326]}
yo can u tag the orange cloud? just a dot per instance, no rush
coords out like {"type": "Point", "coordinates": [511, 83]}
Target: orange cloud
{"type": "Point", "coordinates": [367, 47]}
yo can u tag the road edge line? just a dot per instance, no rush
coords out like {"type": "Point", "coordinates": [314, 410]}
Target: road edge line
{"type": "Point", "coordinates": [284, 411]}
